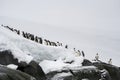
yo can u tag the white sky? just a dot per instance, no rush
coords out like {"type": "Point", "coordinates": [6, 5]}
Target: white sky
{"type": "Point", "coordinates": [64, 12]}
{"type": "Point", "coordinates": [93, 25]}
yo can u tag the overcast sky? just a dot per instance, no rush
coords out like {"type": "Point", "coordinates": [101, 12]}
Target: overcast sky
{"type": "Point", "coordinates": [93, 25]}
{"type": "Point", "coordinates": [64, 12]}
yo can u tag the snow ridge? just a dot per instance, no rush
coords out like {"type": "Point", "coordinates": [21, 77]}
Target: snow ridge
{"type": "Point", "coordinates": [27, 50]}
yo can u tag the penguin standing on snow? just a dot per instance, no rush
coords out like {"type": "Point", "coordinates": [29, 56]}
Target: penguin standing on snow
{"type": "Point", "coordinates": [36, 39]}
{"type": "Point", "coordinates": [23, 33]}
{"type": "Point", "coordinates": [49, 43]}
{"type": "Point", "coordinates": [40, 40]}
{"type": "Point", "coordinates": [66, 46]}
{"type": "Point", "coordinates": [55, 44]}
{"type": "Point", "coordinates": [26, 35]}
{"type": "Point", "coordinates": [74, 49]}
{"type": "Point", "coordinates": [32, 37]}
{"type": "Point", "coordinates": [60, 44]}
{"type": "Point", "coordinates": [45, 41]}
{"type": "Point", "coordinates": [78, 53]}
{"type": "Point", "coordinates": [18, 32]}
{"type": "Point", "coordinates": [75, 52]}
{"type": "Point", "coordinates": [83, 54]}
{"type": "Point", "coordinates": [11, 29]}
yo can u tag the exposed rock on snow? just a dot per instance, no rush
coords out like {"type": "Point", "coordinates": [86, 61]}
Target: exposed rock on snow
{"type": "Point", "coordinates": [10, 74]}
{"type": "Point", "coordinates": [7, 58]}
{"type": "Point", "coordinates": [86, 63]}
{"type": "Point", "coordinates": [113, 71]}
{"type": "Point", "coordinates": [32, 69]}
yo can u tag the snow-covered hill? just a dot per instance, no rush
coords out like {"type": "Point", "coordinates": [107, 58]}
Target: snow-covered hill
{"type": "Point", "coordinates": [92, 40]}
{"type": "Point", "coordinates": [27, 50]}
{"type": "Point", "coordinates": [53, 62]}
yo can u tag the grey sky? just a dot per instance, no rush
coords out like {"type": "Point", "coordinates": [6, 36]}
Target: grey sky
{"type": "Point", "coordinates": [64, 12]}
{"type": "Point", "coordinates": [93, 25]}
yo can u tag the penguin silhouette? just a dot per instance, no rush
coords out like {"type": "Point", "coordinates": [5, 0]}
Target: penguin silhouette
{"type": "Point", "coordinates": [32, 37]}
{"type": "Point", "coordinates": [110, 61]}
{"type": "Point", "coordinates": [83, 54]}
{"type": "Point", "coordinates": [66, 46]}
{"type": "Point", "coordinates": [40, 40]}
{"type": "Point", "coordinates": [18, 32]}
{"type": "Point", "coordinates": [79, 54]}
{"type": "Point", "coordinates": [23, 33]}
{"type": "Point", "coordinates": [36, 39]}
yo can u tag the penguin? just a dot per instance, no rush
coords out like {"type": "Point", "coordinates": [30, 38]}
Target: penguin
{"type": "Point", "coordinates": [36, 39]}
{"type": "Point", "coordinates": [27, 36]}
{"type": "Point", "coordinates": [55, 44]}
{"type": "Point", "coordinates": [52, 43]}
{"type": "Point", "coordinates": [49, 43]}
{"type": "Point", "coordinates": [23, 33]}
{"type": "Point", "coordinates": [83, 54]}
{"type": "Point", "coordinates": [60, 44]}
{"type": "Point", "coordinates": [11, 29]}
{"type": "Point", "coordinates": [32, 37]}
{"type": "Point", "coordinates": [97, 57]}
{"type": "Point", "coordinates": [45, 41]}
{"type": "Point", "coordinates": [110, 61]}
{"type": "Point", "coordinates": [66, 46]}
{"type": "Point", "coordinates": [18, 32]}
{"type": "Point", "coordinates": [78, 53]}
{"type": "Point", "coordinates": [74, 49]}
{"type": "Point", "coordinates": [40, 40]}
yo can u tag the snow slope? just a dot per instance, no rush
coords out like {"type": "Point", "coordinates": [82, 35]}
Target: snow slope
{"type": "Point", "coordinates": [100, 39]}
{"type": "Point", "coordinates": [27, 50]}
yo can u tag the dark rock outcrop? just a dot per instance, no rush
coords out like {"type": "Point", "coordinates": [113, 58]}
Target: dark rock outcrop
{"type": "Point", "coordinates": [9, 74]}
{"type": "Point", "coordinates": [32, 69]}
{"type": "Point", "coordinates": [6, 58]}
{"type": "Point", "coordinates": [99, 71]}
{"type": "Point", "coordinates": [113, 70]}
{"type": "Point", "coordinates": [75, 74]}
{"type": "Point", "coordinates": [86, 63]}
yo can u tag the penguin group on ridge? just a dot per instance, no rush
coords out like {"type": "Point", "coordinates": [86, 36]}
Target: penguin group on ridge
{"type": "Point", "coordinates": [33, 37]}
{"type": "Point", "coordinates": [50, 43]}
{"type": "Point", "coordinates": [78, 52]}
{"type": "Point", "coordinates": [14, 30]}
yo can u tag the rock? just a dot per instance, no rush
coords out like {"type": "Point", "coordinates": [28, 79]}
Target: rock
{"type": "Point", "coordinates": [7, 58]}
{"type": "Point", "coordinates": [87, 73]}
{"type": "Point", "coordinates": [22, 65]}
{"type": "Point", "coordinates": [105, 75]}
{"type": "Point", "coordinates": [86, 63]}
{"type": "Point", "coordinates": [90, 73]}
{"type": "Point", "coordinates": [9, 74]}
{"type": "Point", "coordinates": [113, 70]}
{"type": "Point", "coordinates": [32, 69]}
